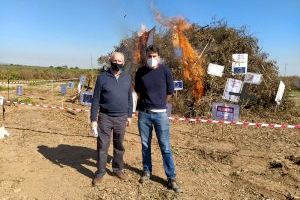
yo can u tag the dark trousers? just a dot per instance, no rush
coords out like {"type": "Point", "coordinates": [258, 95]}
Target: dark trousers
{"type": "Point", "coordinates": [106, 126]}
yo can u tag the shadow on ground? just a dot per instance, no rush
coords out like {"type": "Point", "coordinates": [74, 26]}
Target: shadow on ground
{"type": "Point", "coordinates": [77, 157]}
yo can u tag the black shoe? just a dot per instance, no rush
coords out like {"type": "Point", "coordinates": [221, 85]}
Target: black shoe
{"type": "Point", "coordinates": [145, 177]}
{"type": "Point", "coordinates": [172, 184]}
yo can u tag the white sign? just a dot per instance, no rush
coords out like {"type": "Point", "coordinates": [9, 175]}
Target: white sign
{"type": "Point", "coordinates": [3, 133]}
{"type": "Point", "coordinates": [82, 79]}
{"type": "Point", "coordinates": [239, 63]}
{"type": "Point", "coordinates": [253, 78]}
{"type": "Point", "coordinates": [232, 86]}
{"type": "Point", "coordinates": [79, 87]}
{"type": "Point", "coordinates": [280, 92]}
{"type": "Point", "coordinates": [1, 100]}
{"type": "Point", "coordinates": [178, 85]}
{"type": "Point", "coordinates": [223, 111]}
{"type": "Point", "coordinates": [215, 70]}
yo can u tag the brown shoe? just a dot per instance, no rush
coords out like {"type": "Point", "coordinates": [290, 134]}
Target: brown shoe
{"type": "Point", "coordinates": [121, 175]}
{"type": "Point", "coordinates": [97, 181]}
{"type": "Point", "coordinates": [172, 184]}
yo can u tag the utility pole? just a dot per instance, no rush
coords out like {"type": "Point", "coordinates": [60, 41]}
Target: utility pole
{"type": "Point", "coordinates": [92, 82]}
{"type": "Point", "coordinates": [285, 70]}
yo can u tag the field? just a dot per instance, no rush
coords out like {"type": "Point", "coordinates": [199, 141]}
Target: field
{"type": "Point", "coordinates": [295, 95]}
{"type": "Point", "coordinates": [50, 154]}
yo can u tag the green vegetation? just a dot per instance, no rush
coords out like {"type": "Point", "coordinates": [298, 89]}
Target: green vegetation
{"type": "Point", "coordinates": [295, 96]}
{"type": "Point", "coordinates": [24, 72]}
{"type": "Point", "coordinates": [26, 100]}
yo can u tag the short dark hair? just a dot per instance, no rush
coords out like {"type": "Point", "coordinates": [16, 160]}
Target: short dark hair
{"type": "Point", "coordinates": [152, 49]}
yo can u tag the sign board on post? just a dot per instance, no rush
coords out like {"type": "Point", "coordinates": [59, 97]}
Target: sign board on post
{"type": "Point", "coordinates": [86, 98]}
{"type": "Point", "coordinates": [19, 90]}
{"type": "Point", "coordinates": [82, 79]}
{"type": "Point", "coordinates": [178, 85]}
{"type": "Point", "coordinates": [63, 89]}
{"type": "Point", "coordinates": [239, 63]}
{"type": "Point", "coordinates": [253, 78]}
{"type": "Point", "coordinates": [215, 70]}
{"type": "Point", "coordinates": [233, 86]}
{"type": "Point", "coordinates": [280, 92]}
{"type": "Point", "coordinates": [227, 112]}
{"type": "Point", "coordinates": [71, 84]}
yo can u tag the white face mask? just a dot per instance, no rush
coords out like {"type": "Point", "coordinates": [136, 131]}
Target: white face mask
{"type": "Point", "coordinates": [152, 63]}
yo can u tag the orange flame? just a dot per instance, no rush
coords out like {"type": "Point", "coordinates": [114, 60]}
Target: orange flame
{"type": "Point", "coordinates": [140, 45]}
{"type": "Point", "coordinates": [192, 63]}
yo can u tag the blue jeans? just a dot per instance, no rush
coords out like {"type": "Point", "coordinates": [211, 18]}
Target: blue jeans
{"type": "Point", "coordinates": [160, 122]}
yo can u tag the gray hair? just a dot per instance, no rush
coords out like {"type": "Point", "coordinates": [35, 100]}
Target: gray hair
{"type": "Point", "coordinates": [117, 53]}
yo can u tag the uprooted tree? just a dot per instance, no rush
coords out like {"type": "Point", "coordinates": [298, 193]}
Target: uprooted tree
{"type": "Point", "coordinates": [215, 43]}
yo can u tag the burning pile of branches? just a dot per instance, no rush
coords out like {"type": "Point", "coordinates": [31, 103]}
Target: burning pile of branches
{"type": "Point", "coordinates": [198, 46]}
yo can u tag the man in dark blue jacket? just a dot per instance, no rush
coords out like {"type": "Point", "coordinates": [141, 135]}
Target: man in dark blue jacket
{"type": "Point", "coordinates": [110, 111]}
{"type": "Point", "coordinates": [154, 84]}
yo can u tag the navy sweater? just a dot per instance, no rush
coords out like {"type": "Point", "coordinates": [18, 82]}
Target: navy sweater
{"type": "Point", "coordinates": [153, 85]}
{"type": "Point", "coordinates": [112, 96]}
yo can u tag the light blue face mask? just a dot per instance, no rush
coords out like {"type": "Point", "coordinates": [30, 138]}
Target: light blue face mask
{"type": "Point", "coordinates": [152, 63]}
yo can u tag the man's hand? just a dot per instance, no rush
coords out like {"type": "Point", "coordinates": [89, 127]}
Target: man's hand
{"type": "Point", "coordinates": [129, 121]}
{"type": "Point", "coordinates": [94, 124]}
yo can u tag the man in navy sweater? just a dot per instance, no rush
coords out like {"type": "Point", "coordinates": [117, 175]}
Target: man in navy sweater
{"type": "Point", "coordinates": [154, 84]}
{"type": "Point", "coordinates": [110, 111]}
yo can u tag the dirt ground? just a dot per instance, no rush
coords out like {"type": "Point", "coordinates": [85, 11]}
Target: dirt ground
{"type": "Point", "coordinates": [50, 154]}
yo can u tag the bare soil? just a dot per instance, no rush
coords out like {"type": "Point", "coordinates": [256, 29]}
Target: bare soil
{"type": "Point", "coordinates": [50, 154]}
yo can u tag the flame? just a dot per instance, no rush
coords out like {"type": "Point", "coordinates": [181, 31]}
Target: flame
{"type": "Point", "coordinates": [140, 45]}
{"type": "Point", "coordinates": [192, 63]}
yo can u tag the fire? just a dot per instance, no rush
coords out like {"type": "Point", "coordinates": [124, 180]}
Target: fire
{"type": "Point", "coordinates": [192, 63]}
{"type": "Point", "coordinates": [140, 45]}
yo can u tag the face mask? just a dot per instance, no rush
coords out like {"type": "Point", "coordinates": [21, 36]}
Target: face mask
{"type": "Point", "coordinates": [152, 63]}
{"type": "Point", "coordinates": [116, 67]}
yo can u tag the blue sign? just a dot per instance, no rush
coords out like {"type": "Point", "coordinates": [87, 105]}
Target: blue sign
{"type": "Point", "coordinates": [178, 85]}
{"type": "Point", "coordinates": [63, 89]}
{"type": "Point", "coordinates": [86, 98]}
{"type": "Point", "coordinates": [227, 112]}
{"type": "Point", "coordinates": [19, 90]}
{"type": "Point", "coordinates": [239, 70]}
{"type": "Point", "coordinates": [71, 84]}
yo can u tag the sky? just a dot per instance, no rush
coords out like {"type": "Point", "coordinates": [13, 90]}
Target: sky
{"type": "Point", "coordinates": [77, 32]}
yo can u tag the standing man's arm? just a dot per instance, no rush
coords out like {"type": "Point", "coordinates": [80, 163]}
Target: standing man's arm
{"type": "Point", "coordinates": [95, 103]}
{"type": "Point", "coordinates": [137, 83]}
{"type": "Point", "coordinates": [170, 84]}
{"type": "Point", "coordinates": [130, 104]}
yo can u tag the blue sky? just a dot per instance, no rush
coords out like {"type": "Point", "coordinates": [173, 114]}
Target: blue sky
{"type": "Point", "coordinates": [69, 32]}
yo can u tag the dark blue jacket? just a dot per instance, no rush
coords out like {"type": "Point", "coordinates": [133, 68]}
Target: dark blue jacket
{"type": "Point", "coordinates": [112, 96]}
{"type": "Point", "coordinates": [153, 85]}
